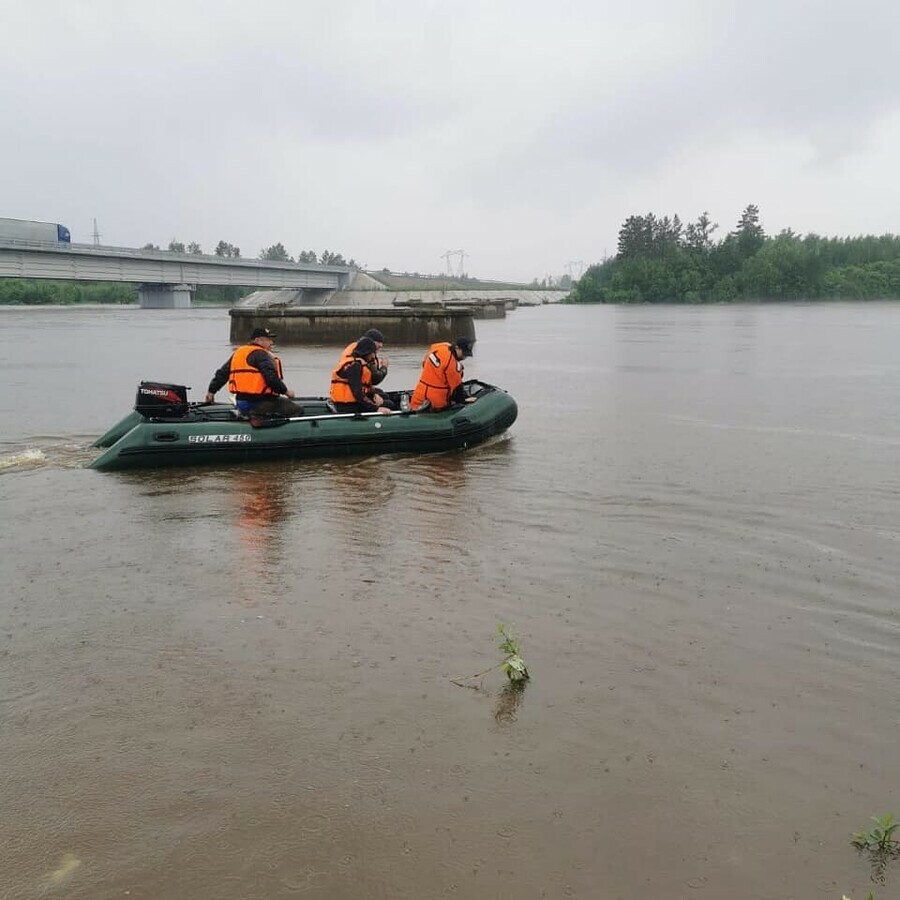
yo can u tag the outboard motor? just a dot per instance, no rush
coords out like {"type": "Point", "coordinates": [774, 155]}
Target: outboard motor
{"type": "Point", "coordinates": [155, 400]}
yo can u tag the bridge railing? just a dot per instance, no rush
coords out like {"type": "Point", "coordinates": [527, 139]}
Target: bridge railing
{"type": "Point", "coordinates": [159, 253]}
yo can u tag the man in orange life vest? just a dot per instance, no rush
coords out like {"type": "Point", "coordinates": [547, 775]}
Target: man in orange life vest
{"type": "Point", "coordinates": [442, 374]}
{"type": "Point", "coordinates": [379, 364]}
{"type": "Point", "coordinates": [253, 373]}
{"type": "Point", "coordinates": [351, 381]}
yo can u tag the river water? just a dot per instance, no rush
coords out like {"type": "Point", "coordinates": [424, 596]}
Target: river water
{"type": "Point", "coordinates": [240, 683]}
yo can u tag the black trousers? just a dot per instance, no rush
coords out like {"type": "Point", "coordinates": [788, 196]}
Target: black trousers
{"type": "Point", "coordinates": [276, 406]}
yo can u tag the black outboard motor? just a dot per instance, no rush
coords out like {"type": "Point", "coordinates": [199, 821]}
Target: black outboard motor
{"type": "Point", "coordinates": [155, 400]}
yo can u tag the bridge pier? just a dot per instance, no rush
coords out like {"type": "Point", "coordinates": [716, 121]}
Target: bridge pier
{"type": "Point", "coordinates": [165, 296]}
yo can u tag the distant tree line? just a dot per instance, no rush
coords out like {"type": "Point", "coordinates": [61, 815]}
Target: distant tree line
{"type": "Point", "coordinates": [38, 292]}
{"type": "Point", "coordinates": [553, 282]}
{"type": "Point", "coordinates": [276, 253]}
{"type": "Point", "coordinates": [326, 258]}
{"type": "Point", "coordinates": [661, 260]}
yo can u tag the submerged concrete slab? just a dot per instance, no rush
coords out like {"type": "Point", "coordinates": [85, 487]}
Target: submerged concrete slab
{"type": "Point", "coordinates": [480, 308]}
{"type": "Point", "coordinates": [388, 298]}
{"type": "Point", "coordinates": [337, 325]}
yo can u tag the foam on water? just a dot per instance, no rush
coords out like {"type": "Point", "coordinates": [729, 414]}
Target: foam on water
{"type": "Point", "coordinates": [30, 457]}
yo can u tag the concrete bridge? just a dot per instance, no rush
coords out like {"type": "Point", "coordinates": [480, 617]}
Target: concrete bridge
{"type": "Point", "coordinates": [166, 280]}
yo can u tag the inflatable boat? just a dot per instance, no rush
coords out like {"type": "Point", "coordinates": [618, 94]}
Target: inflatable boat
{"type": "Point", "coordinates": [164, 429]}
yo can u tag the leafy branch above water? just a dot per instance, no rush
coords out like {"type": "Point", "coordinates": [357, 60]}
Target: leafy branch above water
{"type": "Point", "coordinates": [515, 669]}
{"type": "Point", "coordinates": [512, 663]}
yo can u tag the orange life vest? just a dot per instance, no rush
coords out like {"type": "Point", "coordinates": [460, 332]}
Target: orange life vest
{"type": "Point", "coordinates": [246, 379]}
{"type": "Point", "coordinates": [442, 374]}
{"type": "Point", "coordinates": [341, 391]}
{"type": "Point", "coordinates": [347, 355]}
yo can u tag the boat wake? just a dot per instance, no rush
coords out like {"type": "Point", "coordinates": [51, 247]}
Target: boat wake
{"type": "Point", "coordinates": [67, 455]}
{"type": "Point", "coordinates": [25, 459]}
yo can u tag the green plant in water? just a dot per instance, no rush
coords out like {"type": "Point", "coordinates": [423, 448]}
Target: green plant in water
{"type": "Point", "coordinates": [879, 837]}
{"type": "Point", "coordinates": [513, 665]}
{"type": "Point", "coordinates": [879, 843]}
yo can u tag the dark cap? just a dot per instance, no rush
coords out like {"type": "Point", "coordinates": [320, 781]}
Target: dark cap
{"type": "Point", "coordinates": [465, 344]}
{"type": "Point", "coordinates": [375, 334]}
{"type": "Point", "coordinates": [364, 346]}
{"type": "Point", "coordinates": [261, 332]}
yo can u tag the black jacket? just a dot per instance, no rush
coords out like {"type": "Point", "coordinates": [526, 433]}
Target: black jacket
{"type": "Point", "coordinates": [352, 371]}
{"type": "Point", "coordinates": [259, 359]}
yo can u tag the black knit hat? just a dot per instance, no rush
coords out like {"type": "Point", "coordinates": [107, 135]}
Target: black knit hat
{"type": "Point", "coordinates": [466, 345]}
{"type": "Point", "coordinates": [364, 347]}
{"type": "Point", "coordinates": [261, 332]}
{"type": "Point", "coordinates": [375, 334]}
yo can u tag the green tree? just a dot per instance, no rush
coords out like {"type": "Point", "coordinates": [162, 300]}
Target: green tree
{"type": "Point", "coordinates": [331, 259]}
{"type": "Point", "coordinates": [749, 233]}
{"type": "Point", "coordinates": [176, 246]}
{"type": "Point", "coordinates": [307, 256]}
{"type": "Point", "coordinates": [643, 236]}
{"type": "Point", "coordinates": [635, 236]}
{"type": "Point", "coordinates": [224, 249]}
{"type": "Point", "coordinates": [698, 235]}
{"type": "Point", "coordinates": [659, 261]}
{"type": "Point", "coordinates": [194, 249]}
{"type": "Point", "coordinates": [276, 253]}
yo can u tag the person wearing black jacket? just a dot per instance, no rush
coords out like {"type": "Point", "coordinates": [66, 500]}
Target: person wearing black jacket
{"type": "Point", "coordinates": [254, 376]}
{"type": "Point", "coordinates": [379, 365]}
{"type": "Point", "coordinates": [351, 382]}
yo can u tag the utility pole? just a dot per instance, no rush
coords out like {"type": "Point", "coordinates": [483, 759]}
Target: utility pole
{"type": "Point", "coordinates": [96, 235]}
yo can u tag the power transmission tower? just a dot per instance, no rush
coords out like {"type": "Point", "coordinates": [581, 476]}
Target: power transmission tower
{"type": "Point", "coordinates": [455, 254]}
{"type": "Point", "coordinates": [96, 235]}
{"type": "Point", "coordinates": [571, 265]}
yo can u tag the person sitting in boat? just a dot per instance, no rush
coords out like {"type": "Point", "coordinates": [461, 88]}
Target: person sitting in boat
{"type": "Point", "coordinates": [379, 364]}
{"type": "Point", "coordinates": [442, 375]}
{"type": "Point", "coordinates": [351, 381]}
{"type": "Point", "coordinates": [254, 376]}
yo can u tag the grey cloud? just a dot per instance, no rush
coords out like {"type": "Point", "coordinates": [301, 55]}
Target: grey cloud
{"type": "Point", "coordinates": [336, 124]}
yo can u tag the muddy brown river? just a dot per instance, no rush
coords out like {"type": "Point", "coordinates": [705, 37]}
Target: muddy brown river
{"type": "Point", "coordinates": [239, 683]}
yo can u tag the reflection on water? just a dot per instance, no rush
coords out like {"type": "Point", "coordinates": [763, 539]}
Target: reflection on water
{"type": "Point", "coordinates": [262, 504]}
{"type": "Point", "coordinates": [508, 701]}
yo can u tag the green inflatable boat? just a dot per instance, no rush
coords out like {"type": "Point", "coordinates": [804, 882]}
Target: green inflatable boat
{"type": "Point", "coordinates": [165, 430]}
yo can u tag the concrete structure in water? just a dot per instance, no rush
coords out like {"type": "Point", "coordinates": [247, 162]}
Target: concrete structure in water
{"type": "Point", "coordinates": [166, 296]}
{"type": "Point", "coordinates": [336, 325]}
{"type": "Point", "coordinates": [480, 307]}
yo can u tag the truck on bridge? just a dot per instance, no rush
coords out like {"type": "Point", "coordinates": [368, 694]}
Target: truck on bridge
{"type": "Point", "coordinates": [24, 230]}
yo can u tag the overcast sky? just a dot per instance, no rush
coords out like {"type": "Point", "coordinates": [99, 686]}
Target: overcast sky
{"type": "Point", "coordinates": [523, 133]}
